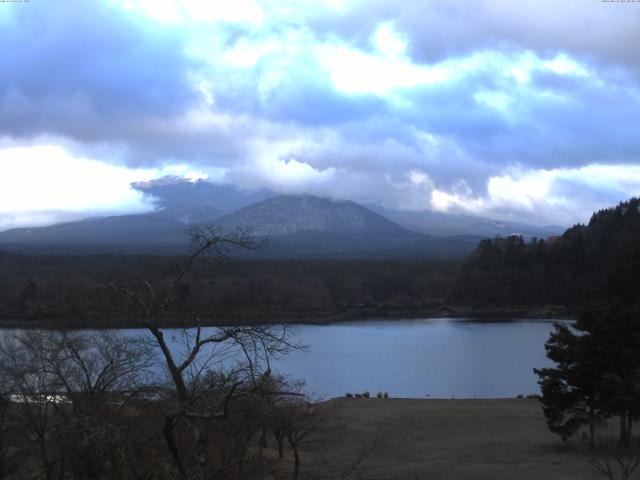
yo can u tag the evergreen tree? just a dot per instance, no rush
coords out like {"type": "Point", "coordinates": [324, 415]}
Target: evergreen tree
{"type": "Point", "coordinates": [597, 372]}
{"type": "Point", "coordinates": [615, 333]}
{"type": "Point", "coordinates": [570, 391]}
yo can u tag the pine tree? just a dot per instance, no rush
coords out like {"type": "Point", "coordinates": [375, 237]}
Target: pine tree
{"type": "Point", "coordinates": [597, 372]}
{"type": "Point", "coordinates": [571, 390]}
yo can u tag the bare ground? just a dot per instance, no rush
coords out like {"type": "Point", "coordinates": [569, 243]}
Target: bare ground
{"type": "Point", "coordinates": [437, 439]}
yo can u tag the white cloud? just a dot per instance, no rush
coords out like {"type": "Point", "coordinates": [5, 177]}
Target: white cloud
{"type": "Point", "coordinates": [561, 195]}
{"type": "Point", "coordinates": [236, 11]}
{"type": "Point", "coordinates": [44, 184]}
{"type": "Point", "coordinates": [388, 41]}
{"type": "Point", "coordinates": [562, 64]}
{"type": "Point", "coordinates": [354, 71]}
{"type": "Point", "coordinates": [499, 101]}
{"type": "Point", "coordinates": [282, 175]}
{"type": "Point", "coordinates": [418, 177]}
{"type": "Point", "coordinates": [185, 11]}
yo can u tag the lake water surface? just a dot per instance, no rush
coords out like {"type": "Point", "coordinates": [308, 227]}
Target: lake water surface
{"type": "Point", "coordinates": [437, 358]}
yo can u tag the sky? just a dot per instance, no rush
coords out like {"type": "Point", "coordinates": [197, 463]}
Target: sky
{"type": "Point", "coordinates": [525, 111]}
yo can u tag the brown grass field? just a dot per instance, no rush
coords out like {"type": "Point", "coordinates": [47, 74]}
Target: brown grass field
{"type": "Point", "coordinates": [411, 439]}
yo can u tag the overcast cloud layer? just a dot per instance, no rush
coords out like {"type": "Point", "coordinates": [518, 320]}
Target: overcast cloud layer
{"type": "Point", "coordinates": [512, 110]}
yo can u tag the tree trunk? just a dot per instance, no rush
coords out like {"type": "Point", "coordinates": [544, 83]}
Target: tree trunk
{"type": "Point", "coordinates": [263, 438]}
{"type": "Point", "coordinates": [45, 459]}
{"type": "Point", "coordinates": [171, 444]}
{"type": "Point", "coordinates": [174, 371]}
{"type": "Point", "coordinates": [624, 429]}
{"type": "Point", "coordinates": [280, 440]}
{"type": "Point", "coordinates": [296, 461]}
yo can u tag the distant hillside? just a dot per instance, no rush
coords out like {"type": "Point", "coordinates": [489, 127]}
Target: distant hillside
{"type": "Point", "coordinates": [294, 227]}
{"type": "Point", "coordinates": [587, 264]}
{"type": "Point", "coordinates": [309, 226]}
{"type": "Point", "coordinates": [446, 225]}
{"type": "Point", "coordinates": [126, 233]}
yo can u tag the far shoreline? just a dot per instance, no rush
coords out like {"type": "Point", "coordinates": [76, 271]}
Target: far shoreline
{"type": "Point", "coordinates": [458, 313]}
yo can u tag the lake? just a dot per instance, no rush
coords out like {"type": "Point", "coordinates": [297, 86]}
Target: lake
{"type": "Point", "coordinates": [436, 358]}
{"type": "Point", "coordinates": [430, 358]}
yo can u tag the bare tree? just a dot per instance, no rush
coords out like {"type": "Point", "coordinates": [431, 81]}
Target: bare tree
{"type": "Point", "coordinates": [98, 375]}
{"type": "Point", "coordinates": [31, 388]}
{"type": "Point", "coordinates": [68, 401]}
{"type": "Point", "coordinates": [8, 462]}
{"type": "Point", "coordinates": [97, 370]}
{"type": "Point", "coordinates": [238, 353]}
{"type": "Point", "coordinates": [296, 420]}
{"type": "Point", "coordinates": [278, 392]}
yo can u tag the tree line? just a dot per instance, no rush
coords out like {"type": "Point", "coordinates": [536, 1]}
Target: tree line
{"type": "Point", "coordinates": [586, 265]}
{"type": "Point", "coordinates": [65, 290]}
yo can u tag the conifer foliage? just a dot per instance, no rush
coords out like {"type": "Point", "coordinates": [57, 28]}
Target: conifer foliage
{"type": "Point", "coordinates": [597, 372]}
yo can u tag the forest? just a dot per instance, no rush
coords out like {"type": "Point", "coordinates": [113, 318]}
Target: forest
{"type": "Point", "coordinates": [67, 289]}
{"type": "Point", "coordinates": [585, 266]}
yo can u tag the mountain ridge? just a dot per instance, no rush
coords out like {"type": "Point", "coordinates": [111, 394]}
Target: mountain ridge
{"type": "Point", "coordinates": [296, 226]}
{"type": "Point", "coordinates": [290, 214]}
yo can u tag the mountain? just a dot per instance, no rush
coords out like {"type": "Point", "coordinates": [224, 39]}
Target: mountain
{"type": "Point", "coordinates": [294, 226]}
{"type": "Point", "coordinates": [291, 214]}
{"type": "Point", "coordinates": [306, 225]}
{"type": "Point", "coordinates": [125, 233]}
{"type": "Point", "coordinates": [202, 202]}
{"type": "Point", "coordinates": [442, 224]}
